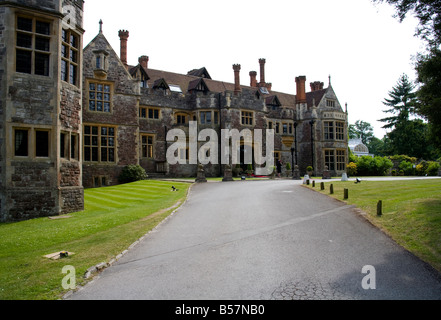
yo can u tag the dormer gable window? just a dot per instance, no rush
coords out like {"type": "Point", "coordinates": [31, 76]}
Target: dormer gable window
{"type": "Point", "coordinates": [198, 85]}
{"type": "Point", "coordinates": [101, 63]}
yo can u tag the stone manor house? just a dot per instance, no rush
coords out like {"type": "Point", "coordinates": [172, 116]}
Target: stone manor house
{"type": "Point", "coordinates": [72, 118]}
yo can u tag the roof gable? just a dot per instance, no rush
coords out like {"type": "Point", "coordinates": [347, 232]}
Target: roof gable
{"type": "Point", "coordinates": [198, 85]}
{"type": "Point", "coordinates": [160, 84]}
{"type": "Point", "coordinates": [201, 73]}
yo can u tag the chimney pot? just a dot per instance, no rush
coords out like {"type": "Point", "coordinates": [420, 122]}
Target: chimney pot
{"type": "Point", "coordinates": [143, 61]}
{"type": "Point", "coordinates": [262, 71]}
{"type": "Point", "coordinates": [301, 90]}
{"type": "Point", "coordinates": [253, 78]}
{"type": "Point", "coordinates": [236, 68]}
{"type": "Point", "coordinates": [123, 36]}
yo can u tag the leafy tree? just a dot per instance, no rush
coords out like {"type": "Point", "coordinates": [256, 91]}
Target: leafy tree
{"type": "Point", "coordinates": [428, 13]}
{"type": "Point", "coordinates": [376, 147]}
{"type": "Point", "coordinates": [410, 138]}
{"type": "Point", "coordinates": [362, 130]}
{"type": "Point", "coordinates": [401, 103]}
{"type": "Point", "coordinates": [429, 93]}
{"type": "Point", "coordinates": [428, 66]}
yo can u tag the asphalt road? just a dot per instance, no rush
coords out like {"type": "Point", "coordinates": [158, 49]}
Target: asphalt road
{"type": "Point", "coordinates": [264, 240]}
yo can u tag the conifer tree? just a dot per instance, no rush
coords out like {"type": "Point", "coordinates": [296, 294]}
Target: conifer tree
{"type": "Point", "coordinates": [402, 103]}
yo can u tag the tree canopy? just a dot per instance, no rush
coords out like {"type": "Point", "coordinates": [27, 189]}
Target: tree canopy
{"type": "Point", "coordinates": [401, 103]}
{"type": "Point", "coordinates": [428, 64]}
{"type": "Point", "coordinates": [362, 130]}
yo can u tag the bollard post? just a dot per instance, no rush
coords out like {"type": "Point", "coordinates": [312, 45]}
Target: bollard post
{"type": "Point", "coordinates": [379, 208]}
{"type": "Point", "coordinates": [322, 186]}
{"type": "Point", "coordinates": [331, 189]}
{"type": "Point", "coordinates": [346, 194]}
{"type": "Point", "coordinates": [307, 182]}
{"type": "Point", "coordinates": [313, 183]}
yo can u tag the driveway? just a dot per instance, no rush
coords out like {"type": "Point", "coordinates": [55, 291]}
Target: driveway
{"type": "Point", "coordinates": [248, 240]}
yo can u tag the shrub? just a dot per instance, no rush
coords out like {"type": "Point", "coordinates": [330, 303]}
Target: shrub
{"type": "Point", "coordinates": [288, 166]}
{"type": "Point", "coordinates": [377, 166]}
{"type": "Point", "coordinates": [309, 168]}
{"type": "Point", "coordinates": [351, 168]}
{"type": "Point", "coordinates": [422, 167]}
{"type": "Point", "coordinates": [132, 173]}
{"type": "Point", "coordinates": [406, 167]}
{"type": "Point", "coordinates": [432, 168]}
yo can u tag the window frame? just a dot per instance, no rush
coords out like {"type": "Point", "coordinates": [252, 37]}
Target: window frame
{"type": "Point", "coordinates": [88, 156]}
{"type": "Point", "coordinates": [147, 149]}
{"type": "Point", "coordinates": [27, 130]}
{"type": "Point", "coordinates": [247, 118]}
{"type": "Point", "coordinates": [148, 113]}
{"type": "Point", "coordinates": [39, 58]}
{"type": "Point", "coordinates": [329, 158]}
{"type": "Point", "coordinates": [328, 130]}
{"type": "Point", "coordinates": [340, 159]}
{"type": "Point", "coordinates": [103, 100]}
{"type": "Point", "coordinates": [66, 57]}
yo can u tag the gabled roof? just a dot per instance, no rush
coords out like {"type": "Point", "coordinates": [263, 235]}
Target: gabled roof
{"type": "Point", "coordinates": [201, 73]}
{"type": "Point", "coordinates": [273, 101]}
{"type": "Point", "coordinates": [184, 80]}
{"type": "Point", "coordinates": [315, 97]}
{"type": "Point", "coordinates": [160, 83]}
{"type": "Point", "coordinates": [134, 70]}
{"type": "Point", "coordinates": [198, 85]}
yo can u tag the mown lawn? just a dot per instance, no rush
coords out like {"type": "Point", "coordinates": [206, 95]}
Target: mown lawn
{"type": "Point", "coordinates": [411, 211]}
{"type": "Point", "coordinates": [114, 218]}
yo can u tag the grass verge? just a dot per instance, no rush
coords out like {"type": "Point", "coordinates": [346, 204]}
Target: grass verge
{"type": "Point", "coordinates": [411, 211]}
{"type": "Point", "coordinates": [114, 218]}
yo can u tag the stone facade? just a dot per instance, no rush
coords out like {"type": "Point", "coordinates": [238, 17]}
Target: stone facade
{"type": "Point", "coordinates": [38, 109]}
{"type": "Point", "coordinates": [157, 101]}
{"type": "Point", "coordinates": [73, 117]}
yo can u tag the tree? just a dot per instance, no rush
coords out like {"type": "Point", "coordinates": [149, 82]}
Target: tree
{"type": "Point", "coordinates": [376, 147]}
{"type": "Point", "coordinates": [362, 130]}
{"type": "Point", "coordinates": [402, 102]}
{"type": "Point", "coordinates": [428, 12]}
{"type": "Point", "coordinates": [428, 66]}
{"type": "Point", "coordinates": [410, 138]}
{"type": "Point", "coordinates": [429, 93]}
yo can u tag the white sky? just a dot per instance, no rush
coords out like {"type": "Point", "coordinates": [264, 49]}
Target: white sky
{"type": "Point", "coordinates": [361, 45]}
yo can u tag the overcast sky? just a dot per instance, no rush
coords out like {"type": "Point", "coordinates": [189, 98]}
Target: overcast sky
{"type": "Point", "coordinates": [360, 45]}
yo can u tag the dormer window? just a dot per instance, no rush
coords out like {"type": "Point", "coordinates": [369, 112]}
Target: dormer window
{"type": "Point", "coordinates": [101, 64]}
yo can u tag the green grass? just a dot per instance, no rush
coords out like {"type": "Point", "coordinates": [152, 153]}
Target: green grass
{"type": "Point", "coordinates": [114, 218]}
{"type": "Point", "coordinates": [411, 211]}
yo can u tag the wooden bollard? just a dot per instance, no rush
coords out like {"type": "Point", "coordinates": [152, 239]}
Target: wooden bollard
{"type": "Point", "coordinates": [346, 194]}
{"type": "Point", "coordinates": [313, 183]}
{"type": "Point", "coordinates": [379, 208]}
{"type": "Point", "coordinates": [322, 186]}
{"type": "Point", "coordinates": [331, 189]}
{"type": "Point", "coordinates": [307, 182]}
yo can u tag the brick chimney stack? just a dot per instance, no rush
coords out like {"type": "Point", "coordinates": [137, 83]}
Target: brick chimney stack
{"type": "Point", "coordinates": [316, 85]}
{"type": "Point", "coordinates": [262, 72]}
{"type": "Point", "coordinates": [253, 78]}
{"type": "Point", "coordinates": [236, 68]}
{"type": "Point", "coordinates": [123, 36]}
{"type": "Point", "coordinates": [301, 89]}
{"type": "Point", "coordinates": [144, 61]}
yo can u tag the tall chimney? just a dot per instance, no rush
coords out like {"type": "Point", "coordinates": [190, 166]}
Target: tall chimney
{"type": "Point", "coordinates": [143, 61]}
{"type": "Point", "coordinates": [262, 72]}
{"type": "Point", "coordinates": [236, 68]}
{"type": "Point", "coordinates": [253, 78]}
{"type": "Point", "coordinates": [123, 36]}
{"type": "Point", "coordinates": [301, 90]}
